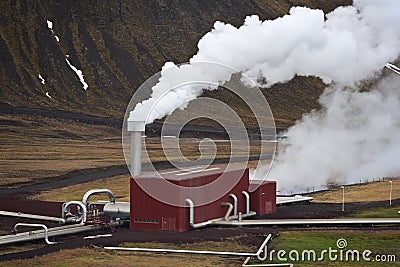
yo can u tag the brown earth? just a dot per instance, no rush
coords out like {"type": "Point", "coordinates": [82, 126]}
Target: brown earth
{"type": "Point", "coordinates": [253, 237]}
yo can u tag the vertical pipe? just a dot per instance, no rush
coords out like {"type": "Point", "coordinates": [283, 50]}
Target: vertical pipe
{"type": "Point", "coordinates": [229, 211]}
{"type": "Point", "coordinates": [235, 204]}
{"type": "Point", "coordinates": [136, 128]}
{"type": "Point", "coordinates": [191, 211]}
{"type": "Point", "coordinates": [247, 196]}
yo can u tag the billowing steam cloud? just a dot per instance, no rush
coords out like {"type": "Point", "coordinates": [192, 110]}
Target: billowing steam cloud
{"type": "Point", "coordinates": [355, 137]}
{"type": "Point", "coordinates": [349, 44]}
{"type": "Point", "coordinates": [347, 139]}
{"type": "Point", "coordinates": [175, 88]}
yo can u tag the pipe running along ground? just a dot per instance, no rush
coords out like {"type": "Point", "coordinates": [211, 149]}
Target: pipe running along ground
{"type": "Point", "coordinates": [258, 254]}
{"type": "Point", "coordinates": [46, 231]}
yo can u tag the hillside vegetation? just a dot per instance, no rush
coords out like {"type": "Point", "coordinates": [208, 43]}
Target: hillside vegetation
{"type": "Point", "coordinates": [118, 45]}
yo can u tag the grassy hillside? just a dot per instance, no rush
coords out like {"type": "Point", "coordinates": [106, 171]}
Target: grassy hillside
{"type": "Point", "coordinates": [118, 45]}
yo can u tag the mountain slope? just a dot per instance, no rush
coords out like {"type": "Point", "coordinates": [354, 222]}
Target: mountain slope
{"type": "Point", "coordinates": [117, 45]}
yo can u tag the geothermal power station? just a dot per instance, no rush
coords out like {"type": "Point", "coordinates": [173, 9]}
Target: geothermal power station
{"type": "Point", "coordinates": [186, 207]}
{"type": "Point", "coordinates": [148, 213]}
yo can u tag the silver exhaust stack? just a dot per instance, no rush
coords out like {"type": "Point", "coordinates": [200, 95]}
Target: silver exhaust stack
{"type": "Point", "coordinates": [136, 128]}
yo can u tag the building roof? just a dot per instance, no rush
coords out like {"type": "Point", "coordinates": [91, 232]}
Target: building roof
{"type": "Point", "coordinates": [190, 172]}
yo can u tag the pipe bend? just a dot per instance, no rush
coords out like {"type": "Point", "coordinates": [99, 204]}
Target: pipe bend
{"type": "Point", "coordinates": [190, 203]}
{"type": "Point", "coordinates": [74, 203]}
{"type": "Point", "coordinates": [193, 225]}
{"type": "Point", "coordinates": [235, 204]}
{"type": "Point", "coordinates": [46, 230]}
{"type": "Point", "coordinates": [247, 196]}
{"type": "Point", "coordinates": [89, 193]}
{"type": "Point", "coordinates": [229, 211]}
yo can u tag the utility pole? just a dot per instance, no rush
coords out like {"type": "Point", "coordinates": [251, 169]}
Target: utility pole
{"type": "Point", "coordinates": [390, 194]}
{"type": "Point", "coordinates": [342, 197]}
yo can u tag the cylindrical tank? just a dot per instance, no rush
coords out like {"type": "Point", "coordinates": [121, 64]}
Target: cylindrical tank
{"type": "Point", "coordinates": [116, 210]}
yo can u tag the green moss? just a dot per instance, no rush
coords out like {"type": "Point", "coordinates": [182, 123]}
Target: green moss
{"type": "Point", "coordinates": [379, 242]}
{"type": "Point", "coordinates": [387, 212]}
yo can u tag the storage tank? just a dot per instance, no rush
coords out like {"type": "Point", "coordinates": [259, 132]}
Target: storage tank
{"type": "Point", "coordinates": [117, 210]}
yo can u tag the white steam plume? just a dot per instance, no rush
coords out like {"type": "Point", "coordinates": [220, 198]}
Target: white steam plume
{"type": "Point", "coordinates": [348, 45]}
{"type": "Point", "coordinates": [355, 136]}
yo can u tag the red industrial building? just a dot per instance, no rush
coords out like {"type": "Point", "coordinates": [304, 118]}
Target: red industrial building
{"type": "Point", "coordinates": [149, 213]}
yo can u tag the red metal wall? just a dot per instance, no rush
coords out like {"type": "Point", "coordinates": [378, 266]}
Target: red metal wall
{"type": "Point", "coordinates": [263, 199]}
{"type": "Point", "coordinates": [148, 213]}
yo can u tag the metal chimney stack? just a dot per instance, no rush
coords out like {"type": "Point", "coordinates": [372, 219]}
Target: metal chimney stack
{"type": "Point", "coordinates": [136, 128]}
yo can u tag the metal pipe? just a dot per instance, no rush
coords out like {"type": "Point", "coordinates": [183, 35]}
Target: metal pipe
{"type": "Point", "coordinates": [162, 250]}
{"type": "Point", "coordinates": [250, 214]}
{"type": "Point", "coordinates": [207, 252]}
{"type": "Point", "coordinates": [46, 231]}
{"type": "Point", "coordinates": [247, 196]}
{"type": "Point", "coordinates": [55, 231]}
{"type": "Point", "coordinates": [67, 211]}
{"type": "Point", "coordinates": [309, 222]}
{"type": "Point", "coordinates": [98, 192]}
{"type": "Point", "coordinates": [189, 202]}
{"type": "Point", "coordinates": [66, 206]}
{"type": "Point", "coordinates": [191, 211]}
{"type": "Point", "coordinates": [136, 128]}
{"type": "Point", "coordinates": [235, 204]}
{"type": "Point", "coordinates": [229, 211]}
{"type": "Point", "coordinates": [32, 216]}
